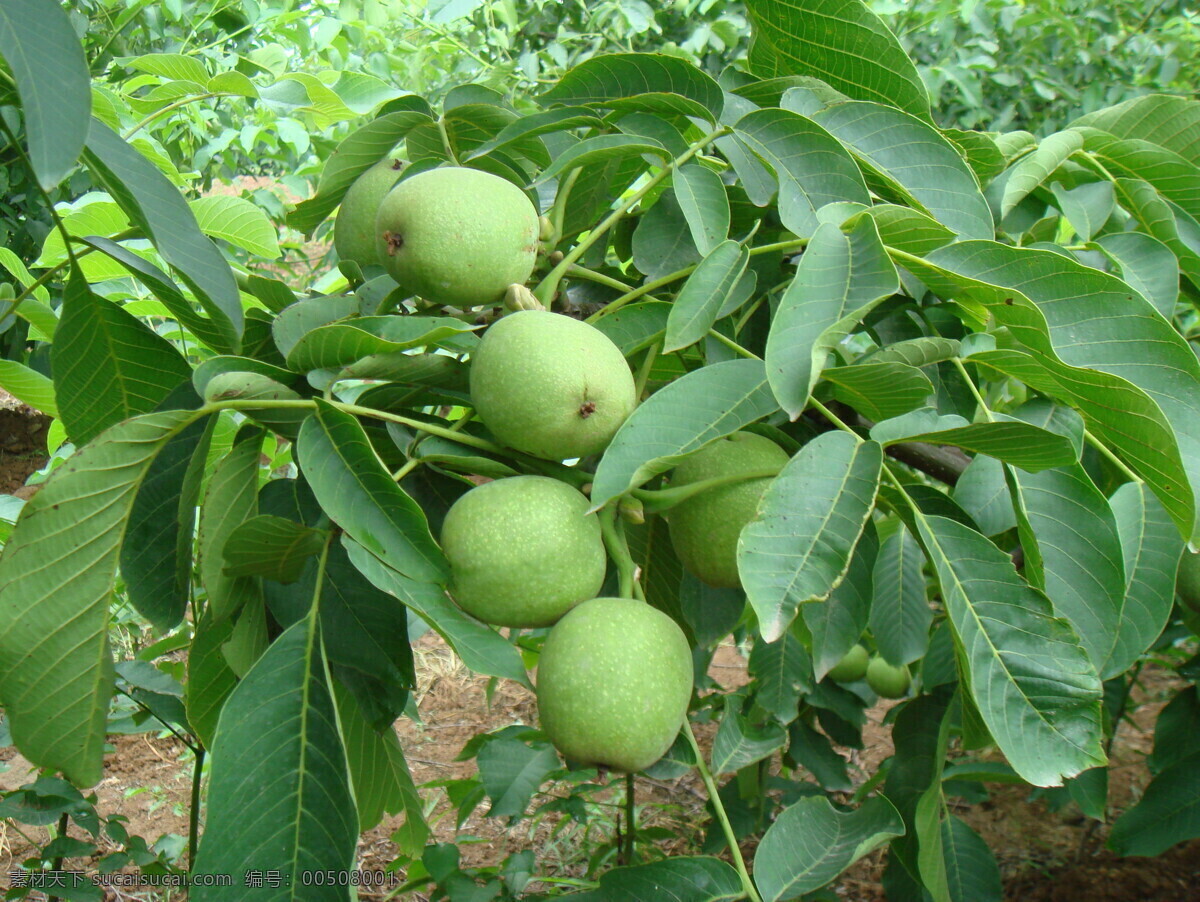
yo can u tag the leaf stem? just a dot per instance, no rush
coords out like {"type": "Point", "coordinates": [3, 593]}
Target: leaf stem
{"type": "Point", "coordinates": [630, 820]}
{"type": "Point", "coordinates": [445, 135]}
{"type": "Point", "coordinates": [549, 285]}
{"type": "Point", "coordinates": [1108, 454]}
{"type": "Point", "coordinates": [64, 822]}
{"type": "Point", "coordinates": [962, 371]}
{"type": "Point", "coordinates": [714, 796]}
{"type": "Point", "coordinates": [194, 813]}
{"type": "Point", "coordinates": [833, 417]}
{"type": "Point", "coordinates": [174, 105]}
{"type": "Point", "coordinates": [733, 345]}
{"type": "Point", "coordinates": [643, 375]}
{"type": "Point", "coordinates": [618, 550]}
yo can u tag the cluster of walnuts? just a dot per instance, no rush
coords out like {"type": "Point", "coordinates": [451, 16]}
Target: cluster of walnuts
{"type": "Point", "coordinates": [615, 674]}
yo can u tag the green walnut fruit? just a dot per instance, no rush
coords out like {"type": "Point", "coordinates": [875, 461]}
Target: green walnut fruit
{"type": "Point", "coordinates": [887, 681]}
{"type": "Point", "coordinates": [550, 385]}
{"type": "Point", "coordinates": [705, 528]}
{"type": "Point", "coordinates": [522, 551]}
{"type": "Point", "coordinates": [1187, 581]}
{"type": "Point", "coordinates": [354, 228]}
{"type": "Point", "coordinates": [613, 685]}
{"type": "Point", "coordinates": [852, 666]}
{"type": "Point", "coordinates": [457, 236]}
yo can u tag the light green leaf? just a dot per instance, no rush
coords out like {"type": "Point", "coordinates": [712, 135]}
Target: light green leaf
{"type": "Point", "coordinates": [1021, 444]}
{"type": "Point", "coordinates": [637, 326]}
{"type": "Point", "coordinates": [662, 241]}
{"type": "Point", "coordinates": [692, 411]}
{"type": "Point", "coordinates": [910, 230]}
{"type": "Point", "coordinates": [1034, 686]}
{"type": "Point", "coordinates": [46, 59]}
{"type": "Point", "coordinates": [918, 352]}
{"type": "Point", "coordinates": [798, 547]}
{"type": "Point", "coordinates": [341, 344]}
{"type": "Point", "coordinates": [703, 295]}
{"type": "Point", "coordinates": [983, 493]}
{"type": "Point", "coordinates": [56, 671]}
{"type": "Point", "coordinates": [1035, 168]}
{"type": "Point", "coordinates": [701, 196]}
{"type": "Point", "coordinates": [28, 386]}
{"type": "Point", "coordinates": [739, 743]}
{"type": "Point", "coordinates": [913, 160]}
{"type": "Point", "coordinates": [1151, 549]}
{"type": "Point", "coordinates": [844, 44]}
{"type": "Point", "coordinates": [811, 842]}
{"type": "Point", "coordinates": [1173, 228]}
{"type": "Point", "coordinates": [238, 221]}
{"type": "Point", "coordinates": [174, 66]}
{"type": "Point", "coordinates": [361, 497]}
{"type": "Point", "coordinates": [279, 733]}
{"type": "Point", "coordinates": [1166, 120]}
{"type": "Point", "coordinates": [837, 623]}
{"type": "Point", "coordinates": [840, 279]}
{"type": "Point", "coordinates": [1087, 206]}
{"type": "Point", "coordinates": [782, 671]}
{"type": "Point", "coordinates": [1147, 264]}
{"type": "Point", "coordinates": [812, 167]}
{"type": "Point", "coordinates": [1176, 179]}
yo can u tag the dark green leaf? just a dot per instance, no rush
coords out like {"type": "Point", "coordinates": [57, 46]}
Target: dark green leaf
{"type": "Point", "coordinates": [279, 733]}
{"type": "Point", "coordinates": [673, 880]}
{"type": "Point", "coordinates": [209, 678]}
{"type": "Point", "coordinates": [512, 771]}
{"type": "Point", "coordinates": [1010, 440]}
{"type": "Point", "coordinates": [662, 241]}
{"type": "Point", "coordinates": [738, 742]}
{"type": "Point", "coordinates": [900, 612]}
{"type": "Point", "coordinates": [271, 547]}
{"type": "Point", "coordinates": [837, 623]}
{"type": "Point", "coordinates": [814, 752]}
{"type": "Point", "coordinates": [703, 295]}
{"type": "Point", "coordinates": [782, 671]}
{"type": "Point", "coordinates": [701, 196]}
{"type": "Point", "coordinates": [1168, 812]}
{"type": "Point", "coordinates": [601, 80]}
{"type": "Point", "coordinates": [879, 390]}
{"type": "Point", "coordinates": [230, 499]}
{"type": "Point", "coordinates": [340, 344]}
{"type": "Point", "coordinates": [972, 874]}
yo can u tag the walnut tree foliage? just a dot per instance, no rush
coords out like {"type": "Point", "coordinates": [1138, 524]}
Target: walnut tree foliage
{"type": "Point", "coordinates": [973, 346]}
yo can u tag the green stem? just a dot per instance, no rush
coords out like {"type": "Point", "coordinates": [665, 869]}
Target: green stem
{"type": "Point", "coordinates": [441, 124]}
{"type": "Point", "coordinates": [618, 550]}
{"type": "Point", "coordinates": [548, 286]}
{"type": "Point", "coordinates": [64, 821]}
{"type": "Point", "coordinates": [558, 214]}
{"type": "Point", "coordinates": [656, 501]}
{"type": "Point", "coordinates": [962, 371]}
{"type": "Point", "coordinates": [171, 107]}
{"type": "Point", "coordinates": [1107, 454]}
{"type": "Point", "coordinates": [590, 275]}
{"type": "Point", "coordinates": [630, 820]}
{"type": "Point", "coordinates": [833, 417]}
{"type": "Point", "coordinates": [714, 796]}
{"type": "Point", "coordinates": [194, 814]}
{"type": "Point", "coordinates": [643, 375]}
{"type": "Point", "coordinates": [409, 465]}
{"type": "Point", "coordinates": [733, 345]}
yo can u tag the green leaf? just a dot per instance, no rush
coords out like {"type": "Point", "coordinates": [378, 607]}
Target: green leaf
{"type": "Point", "coordinates": [108, 365]}
{"type": "Point", "coordinates": [840, 279]}
{"type": "Point", "coordinates": [536, 124]}
{"type": "Point", "coordinates": [483, 650]}
{"type": "Point", "coordinates": [782, 671]}
{"type": "Point", "coordinates": [156, 555]}
{"type": "Point", "coordinates": [739, 743]}
{"type": "Point", "coordinates": [360, 496]}
{"type": "Point", "coordinates": [1075, 533]}
{"type": "Point", "coordinates": [692, 411]}
{"type": "Point", "coordinates": [812, 167]}
{"type": "Point", "coordinates": [1175, 178]}
{"type": "Point", "coordinates": [1168, 812]}
{"type": "Point", "coordinates": [272, 547]}
{"type": "Point", "coordinates": [156, 207]}
{"type": "Point", "coordinates": [637, 326]}
{"type": "Point", "coordinates": [798, 547]}
{"type": "Point", "coordinates": [677, 879]}
{"type": "Point", "coordinates": [971, 869]}
{"type": "Point", "coordinates": [662, 84]}
{"type": "Point", "coordinates": [1151, 549]}
{"type": "Point", "coordinates": [230, 499]}
{"type": "Point", "coordinates": [1176, 730]}
{"type": "Point", "coordinates": [1071, 318]}
{"type": "Point", "coordinates": [835, 625]}
{"type": "Point", "coordinates": [351, 158]}
{"type": "Point", "coordinates": [811, 842]}
{"type": "Point", "coordinates": [983, 493]}
{"type": "Point", "coordinates": [209, 677]}
{"type": "Point", "coordinates": [213, 334]}
{"type": "Point", "coordinates": [1087, 207]}
{"type": "Point", "coordinates": [910, 230]}
{"type": "Point", "coordinates": [662, 241]}
{"type": "Point", "coordinates": [1021, 444]}
{"type": "Point", "coordinates": [602, 149]}
{"type": "Point", "coordinates": [844, 44]}
{"type": "Point", "coordinates": [900, 612]}
{"type": "Point", "coordinates": [1173, 228]}
{"type": "Point", "coordinates": [1034, 169]}
{"type": "Point", "coordinates": [56, 672]}
{"type": "Point", "coordinates": [815, 753]}
{"type": "Point", "coordinates": [237, 221]}
{"type": "Point", "coordinates": [279, 733]}
{"type": "Point", "coordinates": [340, 344]}
{"type": "Point", "coordinates": [39, 43]}
{"type": "Point", "coordinates": [512, 771]}
{"type": "Point", "coordinates": [1168, 121]}
{"type": "Point", "coordinates": [918, 352]}
{"type": "Point", "coordinates": [380, 775]}
{"type": "Point", "coordinates": [879, 390]}
{"type": "Point", "coordinates": [1035, 688]}
{"type": "Point", "coordinates": [914, 161]}
{"type": "Point", "coordinates": [174, 66]}
{"type": "Point", "coordinates": [703, 295]}
{"type": "Point", "coordinates": [28, 386]}
{"type": "Point", "coordinates": [1146, 264]}
{"type": "Point", "coordinates": [701, 196]}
